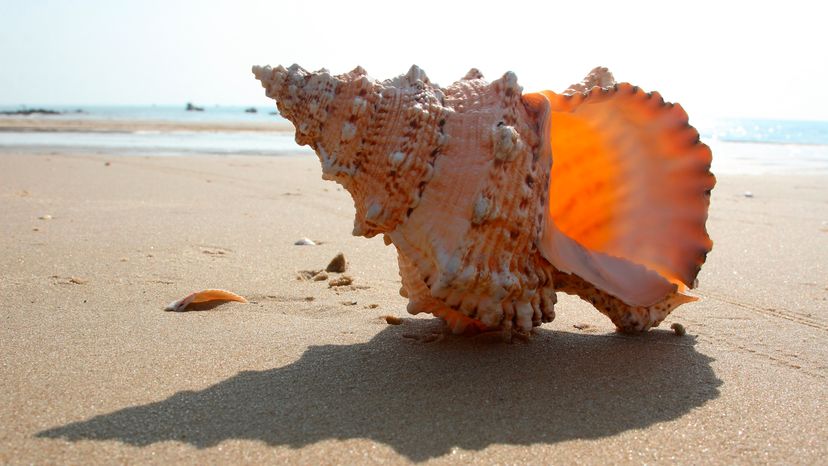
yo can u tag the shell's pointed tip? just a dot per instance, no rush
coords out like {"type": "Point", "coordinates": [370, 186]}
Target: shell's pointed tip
{"type": "Point", "coordinates": [260, 71]}
{"type": "Point", "coordinates": [473, 73]}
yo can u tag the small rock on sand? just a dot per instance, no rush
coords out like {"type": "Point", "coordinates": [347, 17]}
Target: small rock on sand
{"type": "Point", "coordinates": [307, 274]}
{"type": "Point", "coordinates": [679, 329]}
{"type": "Point", "coordinates": [320, 277]}
{"type": "Point", "coordinates": [45, 217]}
{"type": "Point", "coordinates": [393, 320]}
{"type": "Point", "coordinates": [305, 242]}
{"type": "Point", "coordinates": [344, 280]}
{"type": "Point", "coordinates": [337, 264]}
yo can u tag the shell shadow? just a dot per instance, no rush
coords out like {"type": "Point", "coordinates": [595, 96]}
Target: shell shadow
{"type": "Point", "coordinates": [424, 399]}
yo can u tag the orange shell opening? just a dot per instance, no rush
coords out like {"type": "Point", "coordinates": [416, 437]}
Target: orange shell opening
{"type": "Point", "coordinates": [630, 179]}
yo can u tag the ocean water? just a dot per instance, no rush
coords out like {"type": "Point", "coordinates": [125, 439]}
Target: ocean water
{"type": "Point", "coordinates": [740, 146]}
{"type": "Point", "coordinates": [215, 113]}
{"type": "Point", "coordinates": [761, 146]}
{"type": "Point", "coordinates": [160, 143]}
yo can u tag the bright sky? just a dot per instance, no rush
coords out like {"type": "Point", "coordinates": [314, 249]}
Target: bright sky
{"type": "Point", "coordinates": [719, 58]}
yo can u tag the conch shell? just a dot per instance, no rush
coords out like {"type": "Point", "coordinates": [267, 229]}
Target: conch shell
{"type": "Point", "coordinates": [496, 199]}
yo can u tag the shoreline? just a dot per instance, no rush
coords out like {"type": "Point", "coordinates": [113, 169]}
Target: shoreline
{"type": "Point", "coordinates": [275, 138]}
{"type": "Point", "coordinates": [101, 125]}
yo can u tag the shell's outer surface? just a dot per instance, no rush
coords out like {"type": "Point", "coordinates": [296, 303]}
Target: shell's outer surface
{"type": "Point", "coordinates": [472, 240]}
{"type": "Point", "coordinates": [458, 179]}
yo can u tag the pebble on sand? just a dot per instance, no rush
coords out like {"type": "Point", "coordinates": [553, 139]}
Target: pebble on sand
{"type": "Point", "coordinates": [338, 264]}
{"type": "Point", "coordinates": [393, 320]}
{"type": "Point", "coordinates": [679, 329]}
{"type": "Point", "coordinates": [305, 242]}
{"type": "Point", "coordinates": [344, 280]}
{"type": "Point", "coordinates": [307, 274]}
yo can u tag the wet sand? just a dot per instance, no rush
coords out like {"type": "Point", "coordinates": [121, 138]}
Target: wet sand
{"type": "Point", "coordinates": [93, 371]}
{"type": "Point", "coordinates": [68, 124]}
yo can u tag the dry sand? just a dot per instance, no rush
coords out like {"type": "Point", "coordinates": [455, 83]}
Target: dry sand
{"type": "Point", "coordinates": [93, 371]}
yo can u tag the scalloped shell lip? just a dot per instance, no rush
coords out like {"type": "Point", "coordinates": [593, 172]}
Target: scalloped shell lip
{"type": "Point", "coordinates": [575, 255]}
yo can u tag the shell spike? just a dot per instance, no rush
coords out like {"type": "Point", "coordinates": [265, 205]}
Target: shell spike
{"type": "Point", "coordinates": [509, 84]}
{"type": "Point", "coordinates": [358, 71]}
{"type": "Point", "coordinates": [295, 68]}
{"type": "Point", "coordinates": [599, 77]}
{"type": "Point", "coordinates": [415, 73]}
{"type": "Point", "coordinates": [473, 73]}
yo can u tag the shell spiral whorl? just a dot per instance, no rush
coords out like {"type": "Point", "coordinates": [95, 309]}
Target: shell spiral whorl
{"type": "Point", "coordinates": [378, 140]}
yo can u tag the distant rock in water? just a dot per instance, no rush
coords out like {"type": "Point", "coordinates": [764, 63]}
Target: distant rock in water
{"type": "Point", "coordinates": [250, 110]}
{"type": "Point", "coordinates": [31, 111]}
{"type": "Point", "coordinates": [193, 108]}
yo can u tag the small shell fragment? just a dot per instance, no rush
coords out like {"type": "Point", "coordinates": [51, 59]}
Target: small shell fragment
{"type": "Point", "coordinates": [203, 296]}
{"type": "Point", "coordinates": [305, 242]}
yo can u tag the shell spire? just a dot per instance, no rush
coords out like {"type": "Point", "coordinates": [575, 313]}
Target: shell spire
{"type": "Point", "coordinates": [495, 199]}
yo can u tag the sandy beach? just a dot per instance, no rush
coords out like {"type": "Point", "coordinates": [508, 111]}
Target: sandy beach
{"type": "Point", "coordinates": [95, 372]}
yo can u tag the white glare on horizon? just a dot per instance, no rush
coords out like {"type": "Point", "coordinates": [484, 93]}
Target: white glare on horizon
{"type": "Point", "coordinates": [718, 59]}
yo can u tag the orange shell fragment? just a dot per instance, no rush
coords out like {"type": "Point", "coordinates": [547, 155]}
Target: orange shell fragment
{"type": "Point", "coordinates": [203, 296]}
